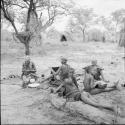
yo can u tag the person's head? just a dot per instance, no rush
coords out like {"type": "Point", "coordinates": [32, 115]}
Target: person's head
{"type": "Point", "coordinates": [94, 62]}
{"type": "Point", "coordinates": [71, 72]}
{"type": "Point", "coordinates": [27, 59]}
{"type": "Point", "coordinates": [63, 60]}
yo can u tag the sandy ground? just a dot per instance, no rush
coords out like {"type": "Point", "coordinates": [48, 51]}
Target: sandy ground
{"type": "Point", "coordinates": [31, 106]}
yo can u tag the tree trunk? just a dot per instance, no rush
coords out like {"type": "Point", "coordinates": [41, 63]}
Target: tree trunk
{"type": "Point", "coordinates": [91, 113]}
{"type": "Point", "coordinates": [27, 48]}
{"type": "Point", "coordinates": [83, 32]}
{"type": "Point", "coordinates": [116, 32]}
{"type": "Point", "coordinates": [122, 36]}
{"type": "Point", "coordinates": [25, 39]}
{"type": "Point", "coordinates": [30, 28]}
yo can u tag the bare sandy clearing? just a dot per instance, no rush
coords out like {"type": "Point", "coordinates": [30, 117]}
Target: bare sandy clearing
{"type": "Point", "coordinates": [30, 106]}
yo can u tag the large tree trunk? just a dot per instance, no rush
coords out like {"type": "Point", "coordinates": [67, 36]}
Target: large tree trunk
{"type": "Point", "coordinates": [25, 38]}
{"type": "Point", "coordinates": [91, 113]}
{"type": "Point", "coordinates": [27, 48]}
{"type": "Point", "coordinates": [122, 40]}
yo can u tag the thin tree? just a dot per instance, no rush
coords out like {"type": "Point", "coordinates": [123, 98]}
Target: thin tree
{"type": "Point", "coordinates": [83, 18]}
{"type": "Point", "coordinates": [117, 17]}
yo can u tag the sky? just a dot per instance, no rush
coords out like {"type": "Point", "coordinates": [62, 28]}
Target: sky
{"type": "Point", "coordinates": [101, 7]}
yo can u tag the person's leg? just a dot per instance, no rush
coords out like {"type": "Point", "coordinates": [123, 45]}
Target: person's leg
{"type": "Point", "coordinates": [113, 87]}
{"type": "Point", "coordinates": [61, 91]}
{"type": "Point", "coordinates": [108, 89]}
{"type": "Point", "coordinates": [98, 91]}
{"type": "Point", "coordinates": [87, 99]}
{"type": "Point", "coordinates": [25, 81]}
{"type": "Point", "coordinates": [33, 75]}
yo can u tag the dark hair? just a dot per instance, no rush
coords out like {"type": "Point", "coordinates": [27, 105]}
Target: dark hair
{"type": "Point", "coordinates": [71, 70]}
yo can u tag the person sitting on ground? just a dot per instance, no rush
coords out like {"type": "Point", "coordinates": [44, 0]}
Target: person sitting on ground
{"type": "Point", "coordinates": [62, 73]}
{"type": "Point", "coordinates": [73, 93]}
{"type": "Point", "coordinates": [61, 91]}
{"type": "Point", "coordinates": [63, 70]}
{"type": "Point", "coordinates": [28, 71]}
{"type": "Point", "coordinates": [94, 81]}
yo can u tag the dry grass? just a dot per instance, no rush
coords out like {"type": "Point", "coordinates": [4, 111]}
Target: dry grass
{"type": "Point", "coordinates": [15, 100]}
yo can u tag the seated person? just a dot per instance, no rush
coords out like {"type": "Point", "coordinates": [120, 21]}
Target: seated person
{"type": "Point", "coordinates": [94, 81]}
{"type": "Point", "coordinates": [28, 71]}
{"type": "Point", "coordinates": [63, 70]}
{"type": "Point", "coordinates": [72, 92]}
{"type": "Point", "coordinates": [62, 73]}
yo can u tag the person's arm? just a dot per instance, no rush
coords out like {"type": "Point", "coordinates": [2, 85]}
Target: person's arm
{"type": "Point", "coordinates": [55, 91]}
{"type": "Point", "coordinates": [75, 82]}
{"type": "Point", "coordinates": [86, 69]}
{"type": "Point", "coordinates": [85, 72]}
{"type": "Point", "coordinates": [92, 84]}
{"type": "Point", "coordinates": [102, 76]}
{"type": "Point", "coordinates": [23, 67]}
{"type": "Point", "coordinates": [33, 67]}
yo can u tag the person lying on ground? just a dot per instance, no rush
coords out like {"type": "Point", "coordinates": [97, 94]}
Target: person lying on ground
{"type": "Point", "coordinates": [72, 92]}
{"type": "Point", "coordinates": [94, 81]}
{"type": "Point", "coordinates": [28, 71]}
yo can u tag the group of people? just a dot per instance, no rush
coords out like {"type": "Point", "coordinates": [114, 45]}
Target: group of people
{"type": "Point", "coordinates": [94, 82]}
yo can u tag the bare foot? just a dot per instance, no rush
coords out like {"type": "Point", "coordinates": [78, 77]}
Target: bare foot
{"type": "Point", "coordinates": [116, 85]}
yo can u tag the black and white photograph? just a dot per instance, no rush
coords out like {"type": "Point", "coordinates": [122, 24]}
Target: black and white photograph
{"type": "Point", "coordinates": [62, 62]}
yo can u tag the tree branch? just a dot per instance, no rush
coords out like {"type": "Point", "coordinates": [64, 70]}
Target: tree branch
{"type": "Point", "coordinates": [40, 15]}
{"type": "Point", "coordinates": [26, 2]}
{"type": "Point", "coordinates": [48, 11]}
{"type": "Point", "coordinates": [29, 12]}
{"type": "Point", "coordinates": [19, 5]}
{"type": "Point", "coordinates": [7, 16]}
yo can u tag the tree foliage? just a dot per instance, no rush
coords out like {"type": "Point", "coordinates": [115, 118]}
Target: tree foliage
{"type": "Point", "coordinates": [31, 14]}
{"type": "Point", "coordinates": [81, 18]}
{"type": "Point", "coordinates": [118, 16]}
